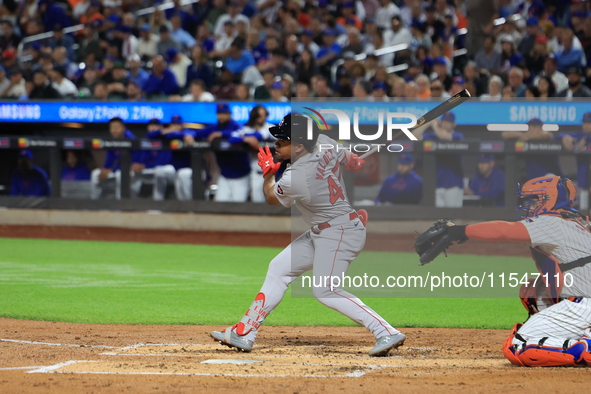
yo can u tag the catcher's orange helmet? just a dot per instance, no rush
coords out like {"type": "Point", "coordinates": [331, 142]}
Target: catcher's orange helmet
{"type": "Point", "coordinates": [545, 194]}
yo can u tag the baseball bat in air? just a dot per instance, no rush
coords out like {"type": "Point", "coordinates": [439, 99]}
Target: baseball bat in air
{"type": "Point", "coordinates": [436, 112]}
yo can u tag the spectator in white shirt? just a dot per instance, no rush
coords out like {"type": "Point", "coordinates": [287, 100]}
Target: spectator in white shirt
{"type": "Point", "coordinates": [148, 42]}
{"type": "Point", "coordinates": [17, 87]}
{"type": "Point", "coordinates": [233, 15]}
{"type": "Point", "coordinates": [223, 42]}
{"type": "Point", "coordinates": [385, 13]}
{"type": "Point", "coordinates": [63, 85]}
{"type": "Point", "coordinates": [129, 46]}
{"type": "Point", "coordinates": [495, 89]}
{"type": "Point", "coordinates": [199, 92]}
{"type": "Point", "coordinates": [398, 35]}
{"type": "Point", "coordinates": [178, 63]}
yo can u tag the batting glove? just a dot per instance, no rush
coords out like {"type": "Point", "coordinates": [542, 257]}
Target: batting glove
{"type": "Point", "coordinates": [353, 163]}
{"type": "Point", "coordinates": [266, 162]}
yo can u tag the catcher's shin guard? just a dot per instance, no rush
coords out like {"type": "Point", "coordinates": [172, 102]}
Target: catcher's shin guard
{"type": "Point", "coordinates": [534, 356]}
{"type": "Point", "coordinates": [510, 351]}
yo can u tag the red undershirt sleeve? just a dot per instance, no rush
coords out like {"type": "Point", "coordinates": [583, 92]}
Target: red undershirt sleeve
{"type": "Point", "coordinates": [498, 231]}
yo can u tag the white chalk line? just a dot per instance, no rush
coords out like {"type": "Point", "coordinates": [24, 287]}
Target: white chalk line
{"type": "Point", "coordinates": [15, 368]}
{"type": "Point", "coordinates": [51, 368]}
{"type": "Point", "coordinates": [55, 344]}
{"type": "Point", "coordinates": [139, 345]}
{"type": "Point", "coordinates": [354, 374]}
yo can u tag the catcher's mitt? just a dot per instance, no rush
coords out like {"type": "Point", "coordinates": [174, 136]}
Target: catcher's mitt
{"type": "Point", "coordinates": [438, 238]}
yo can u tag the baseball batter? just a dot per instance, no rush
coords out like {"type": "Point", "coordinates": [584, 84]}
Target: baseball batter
{"type": "Point", "coordinates": [337, 234]}
{"type": "Point", "coordinates": [558, 330]}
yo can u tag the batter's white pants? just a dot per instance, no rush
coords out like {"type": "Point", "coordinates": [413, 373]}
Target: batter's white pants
{"type": "Point", "coordinates": [113, 181]}
{"type": "Point", "coordinates": [563, 321]}
{"type": "Point", "coordinates": [449, 197]}
{"type": "Point", "coordinates": [163, 176]}
{"type": "Point", "coordinates": [328, 255]}
{"type": "Point", "coordinates": [233, 190]}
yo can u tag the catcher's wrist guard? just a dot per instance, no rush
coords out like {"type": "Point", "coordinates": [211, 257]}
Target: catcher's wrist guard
{"type": "Point", "coordinates": [457, 233]}
{"type": "Point", "coordinates": [437, 239]}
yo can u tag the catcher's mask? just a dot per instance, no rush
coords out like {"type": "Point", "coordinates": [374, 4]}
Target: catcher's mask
{"type": "Point", "coordinates": [294, 128]}
{"type": "Point", "coordinates": [545, 194]}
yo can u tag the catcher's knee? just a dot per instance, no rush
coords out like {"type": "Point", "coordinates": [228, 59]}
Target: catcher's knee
{"type": "Point", "coordinates": [538, 354]}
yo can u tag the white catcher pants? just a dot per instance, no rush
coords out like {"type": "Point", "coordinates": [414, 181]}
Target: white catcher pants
{"type": "Point", "coordinates": [563, 321]}
{"type": "Point", "coordinates": [327, 254]}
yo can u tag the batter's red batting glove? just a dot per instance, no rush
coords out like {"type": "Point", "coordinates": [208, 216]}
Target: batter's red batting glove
{"type": "Point", "coordinates": [354, 163]}
{"type": "Point", "coordinates": [266, 162]}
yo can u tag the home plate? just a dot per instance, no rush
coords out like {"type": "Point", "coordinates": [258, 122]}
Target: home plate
{"type": "Point", "coordinates": [230, 361]}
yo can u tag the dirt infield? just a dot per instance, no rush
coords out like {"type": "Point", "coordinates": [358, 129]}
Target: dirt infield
{"type": "Point", "coordinates": [82, 358]}
{"type": "Point", "coordinates": [378, 242]}
{"type": "Point", "coordinates": [45, 356]}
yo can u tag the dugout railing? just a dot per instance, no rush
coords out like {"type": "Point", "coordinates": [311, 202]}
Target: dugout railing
{"type": "Point", "coordinates": [508, 153]}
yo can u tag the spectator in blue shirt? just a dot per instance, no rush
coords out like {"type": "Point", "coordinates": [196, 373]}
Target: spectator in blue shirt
{"type": "Point", "coordinates": [239, 59]}
{"type": "Point", "coordinates": [489, 183]}
{"type": "Point", "coordinates": [330, 51]}
{"type": "Point", "coordinates": [450, 184]}
{"type": "Point", "coordinates": [74, 170]}
{"type": "Point", "coordinates": [110, 172]}
{"type": "Point", "coordinates": [179, 34]}
{"type": "Point", "coordinates": [161, 81]}
{"type": "Point", "coordinates": [187, 19]}
{"type": "Point", "coordinates": [403, 187]}
{"type": "Point", "coordinates": [578, 142]}
{"type": "Point", "coordinates": [52, 14]}
{"type": "Point", "coordinates": [28, 179]}
{"type": "Point", "coordinates": [569, 56]}
{"type": "Point", "coordinates": [199, 69]}
{"type": "Point", "coordinates": [136, 73]}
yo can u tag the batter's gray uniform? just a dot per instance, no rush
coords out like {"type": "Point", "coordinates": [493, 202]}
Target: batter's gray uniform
{"type": "Point", "coordinates": [313, 184]}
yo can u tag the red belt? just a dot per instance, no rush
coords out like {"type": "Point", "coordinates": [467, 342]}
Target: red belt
{"type": "Point", "coordinates": [319, 227]}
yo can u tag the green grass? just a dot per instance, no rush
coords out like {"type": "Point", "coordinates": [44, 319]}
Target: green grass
{"type": "Point", "coordinates": [135, 283]}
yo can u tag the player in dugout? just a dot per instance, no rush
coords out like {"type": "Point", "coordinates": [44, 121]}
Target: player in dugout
{"type": "Point", "coordinates": [234, 181]}
{"type": "Point", "coordinates": [489, 183]}
{"type": "Point", "coordinates": [403, 187]}
{"type": "Point", "coordinates": [29, 179]}
{"type": "Point", "coordinates": [558, 331]}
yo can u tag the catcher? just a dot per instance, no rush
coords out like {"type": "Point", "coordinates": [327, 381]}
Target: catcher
{"type": "Point", "coordinates": [558, 331]}
{"type": "Point", "coordinates": [337, 234]}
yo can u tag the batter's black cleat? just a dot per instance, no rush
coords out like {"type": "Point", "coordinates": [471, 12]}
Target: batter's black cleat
{"type": "Point", "coordinates": [387, 343]}
{"type": "Point", "coordinates": [229, 338]}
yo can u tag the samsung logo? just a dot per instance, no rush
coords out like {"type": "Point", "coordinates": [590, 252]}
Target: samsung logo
{"type": "Point", "coordinates": [547, 113]}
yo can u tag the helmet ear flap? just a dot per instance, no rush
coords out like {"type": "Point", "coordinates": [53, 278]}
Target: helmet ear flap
{"type": "Point", "coordinates": [567, 193]}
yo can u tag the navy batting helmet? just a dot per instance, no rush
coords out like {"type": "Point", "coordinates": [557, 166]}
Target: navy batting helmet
{"type": "Point", "coordinates": [293, 127]}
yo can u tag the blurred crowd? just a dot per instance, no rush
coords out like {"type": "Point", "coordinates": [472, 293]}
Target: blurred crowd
{"type": "Point", "coordinates": [274, 50]}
